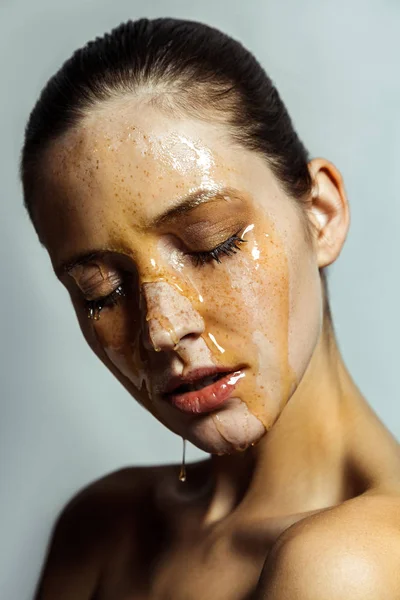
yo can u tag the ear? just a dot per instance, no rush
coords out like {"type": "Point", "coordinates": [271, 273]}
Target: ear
{"type": "Point", "coordinates": [328, 210]}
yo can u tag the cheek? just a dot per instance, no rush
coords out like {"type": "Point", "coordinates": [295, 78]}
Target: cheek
{"type": "Point", "coordinates": [253, 311]}
{"type": "Point", "coordinates": [116, 340]}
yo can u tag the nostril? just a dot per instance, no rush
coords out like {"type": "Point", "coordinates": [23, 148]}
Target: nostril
{"type": "Point", "coordinates": [189, 337]}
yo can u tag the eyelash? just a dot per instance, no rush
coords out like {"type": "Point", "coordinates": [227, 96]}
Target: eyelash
{"type": "Point", "coordinates": [94, 307]}
{"type": "Point", "coordinates": [227, 248]}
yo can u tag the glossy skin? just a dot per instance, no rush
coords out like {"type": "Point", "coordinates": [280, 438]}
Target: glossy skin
{"type": "Point", "coordinates": [317, 489]}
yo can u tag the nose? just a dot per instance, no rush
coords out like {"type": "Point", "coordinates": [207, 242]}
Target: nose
{"type": "Point", "coordinates": [170, 317]}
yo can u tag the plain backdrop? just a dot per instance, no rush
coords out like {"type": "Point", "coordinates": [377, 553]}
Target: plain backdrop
{"type": "Point", "coordinates": [64, 420]}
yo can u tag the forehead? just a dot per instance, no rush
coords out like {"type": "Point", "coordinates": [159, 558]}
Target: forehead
{"type": "Point", "coordinates": [128, 163]}
{"type": "Point", "coordinates": [133, 151]}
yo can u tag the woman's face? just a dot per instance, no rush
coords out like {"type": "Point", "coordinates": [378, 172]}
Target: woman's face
{"type": "Point", "coordinates": [188, 267]}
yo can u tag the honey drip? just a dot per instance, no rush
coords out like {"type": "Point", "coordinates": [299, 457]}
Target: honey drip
{"type": "Point", "coordinates": [165, 324]}
{"type": "Point", "coordinates": [94, 313]}
{"type": "Point", "coordinates": [182, 472]}
{"type": "Point", "coordinates": [216, 420]}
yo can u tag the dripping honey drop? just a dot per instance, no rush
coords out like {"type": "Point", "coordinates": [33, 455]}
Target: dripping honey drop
{"type": "Point", "coordinates": [182, 472]}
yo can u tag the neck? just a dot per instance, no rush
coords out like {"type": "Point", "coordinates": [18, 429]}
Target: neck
{"type": "Point", "coordinates": [303, 463]}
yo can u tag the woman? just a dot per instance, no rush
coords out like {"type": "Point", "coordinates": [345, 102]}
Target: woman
{"type": "Point", "coordinates": [182, 213]}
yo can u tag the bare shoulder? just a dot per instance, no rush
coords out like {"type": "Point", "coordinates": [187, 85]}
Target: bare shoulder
{"type": "Point", "coordinates": [92, 527]}
{"type": "Point", "coordinates": [350, 551]}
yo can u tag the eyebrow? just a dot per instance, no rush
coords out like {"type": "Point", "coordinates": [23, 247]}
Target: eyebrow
{"type": "Point", "coordinates": [183, 206]}
{"type": "Point", "coordinates": [191, 201]}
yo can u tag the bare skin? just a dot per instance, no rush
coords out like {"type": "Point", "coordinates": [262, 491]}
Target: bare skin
{"type": "Point", "coordinates": [301, 496]}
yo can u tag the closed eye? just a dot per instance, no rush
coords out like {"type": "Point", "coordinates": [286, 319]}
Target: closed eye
{"type": "Point", "coordinates": [94, 307]}
{"type": "Point", "coordinates": [226, 248]}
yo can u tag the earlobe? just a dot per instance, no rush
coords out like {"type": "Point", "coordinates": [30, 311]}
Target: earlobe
{"type": "Point", "coordinates": [328, 210]}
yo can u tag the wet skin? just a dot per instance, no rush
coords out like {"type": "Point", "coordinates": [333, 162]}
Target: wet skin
{"type": "Point", "coordinates": [131, 203]}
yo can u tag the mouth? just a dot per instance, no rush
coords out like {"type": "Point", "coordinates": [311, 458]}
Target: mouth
{"type": "Point", "coordinates": [203, 390]}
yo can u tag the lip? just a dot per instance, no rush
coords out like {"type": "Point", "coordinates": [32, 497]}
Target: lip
{"type": "Point", "coordinates": [209, 397]}
{"type": "Point", "coordinates": [193, 375]}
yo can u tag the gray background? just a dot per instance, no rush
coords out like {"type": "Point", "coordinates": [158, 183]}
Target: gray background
{"type": "Point", "coordinates": [64, 421]}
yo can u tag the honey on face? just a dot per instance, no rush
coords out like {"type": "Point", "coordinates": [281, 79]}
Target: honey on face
{"type": "Point", "coordinates": [249, 309]}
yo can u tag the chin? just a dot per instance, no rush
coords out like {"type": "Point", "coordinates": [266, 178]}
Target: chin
{"type": "Point", "coordinates": [230, 429]}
